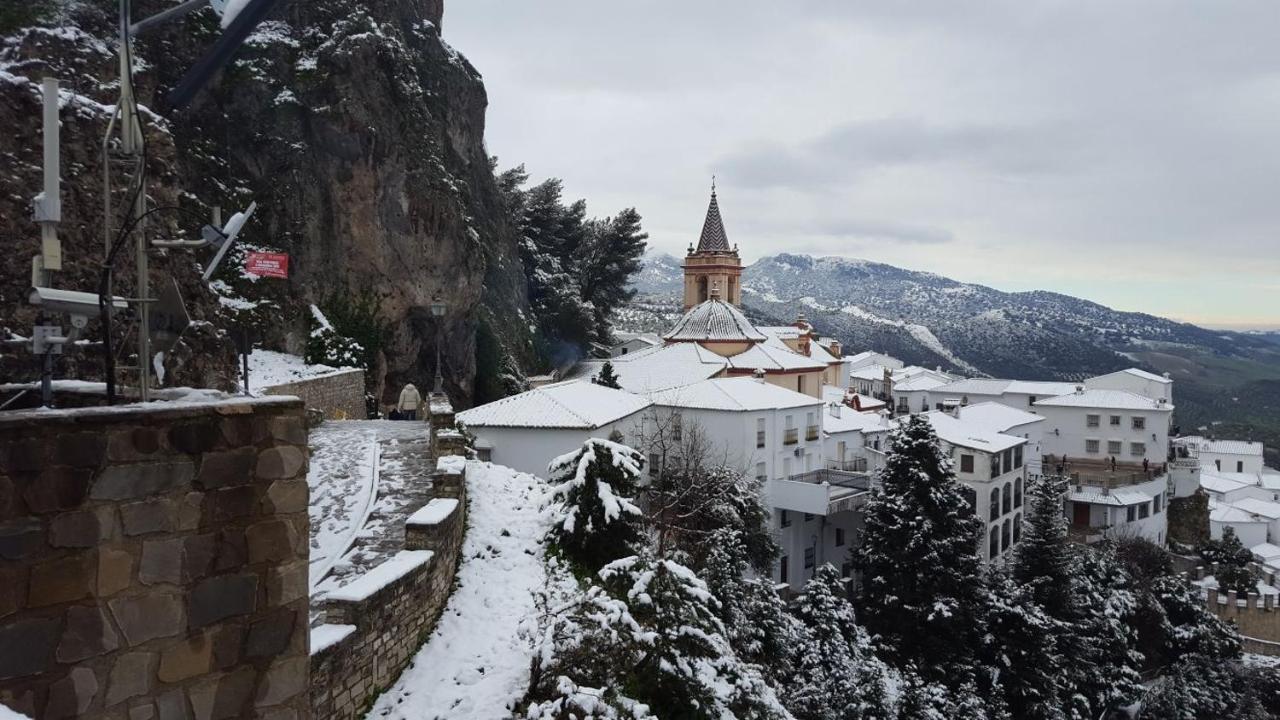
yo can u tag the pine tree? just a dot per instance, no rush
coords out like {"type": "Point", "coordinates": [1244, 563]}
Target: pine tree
{"type": "Point", "coordinates": [922, 588]}
{"type": "Point", "coordinates": [647, 638]}
{"type": "Point", "coordinates": [608, 377]}
{"type": "Point", "coordinates": [1021, 651]}
{"type": "Point", "coordinates": [1187, 627]}
{"type": "Point", "coordinates": [837, 676]}
{"type": "Point", "coordinates": [611, 255]}
{"type": "Point", "coordinates": [1102, 667]}
{"type": "Point", "coordinates": [1044, 559]}
{"type": "Point", "coordinates": [1232, 559]}
{"type": "Point", "coordinates": [596, 522]}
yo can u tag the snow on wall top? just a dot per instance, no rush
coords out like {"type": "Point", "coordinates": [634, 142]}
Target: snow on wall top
{"type": "Point", "coordinates": [396, 567]}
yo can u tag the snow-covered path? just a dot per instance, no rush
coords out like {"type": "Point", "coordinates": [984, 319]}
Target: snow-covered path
{"type": "Point", "coordinates": [476, 662]}
{"type": "Point", "coordinates": [341, 477]}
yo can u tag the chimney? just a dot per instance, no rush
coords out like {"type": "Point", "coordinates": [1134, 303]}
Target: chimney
{"type": "Point", "coordinates": [759, 375]}
{"type": "Point", "coordinates": [1079, 389]}
{"type": "Point", "coordinates": [836, 349]}
{"type": "Point", "coordinates": [835, 409]}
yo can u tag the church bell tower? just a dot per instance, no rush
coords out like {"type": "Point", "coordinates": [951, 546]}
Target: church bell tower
{"type": "Point", "coordinates": [713, 263]}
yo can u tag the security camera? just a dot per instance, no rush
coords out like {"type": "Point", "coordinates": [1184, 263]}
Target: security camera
{"type": "Point", "coordinates": [79, 305]}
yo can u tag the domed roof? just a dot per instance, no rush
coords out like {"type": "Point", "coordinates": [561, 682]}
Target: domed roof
{"type": "Point", "coordinates": [712, 321]}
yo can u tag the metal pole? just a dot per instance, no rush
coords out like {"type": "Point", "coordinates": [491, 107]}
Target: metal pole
{"type": "Point", "coordinates": [439, 378]}
{"type": "Point", "coordinates": [131, 131]}
{"type": "Point", "coordinates": [46, 381]}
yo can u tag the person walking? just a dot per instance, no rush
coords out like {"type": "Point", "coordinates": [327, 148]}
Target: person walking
{"type": "Point", "coordinates": [410, 400]}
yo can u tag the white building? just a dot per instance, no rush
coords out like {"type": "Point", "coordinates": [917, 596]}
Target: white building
{"type": "Point", "coordinates": [1250, 528]}
{"type": "Point", "coordinates": [1000, 418]}
{"type": "Point", "coordinates": [1139, 382]}
{"type": "Point", "coordinates": [1097, 425]}
{"type": "Point", "coordinates": [1238, 456]}
{"type": "Point", "coordinates": [1105, 506]}
{"type": "Point", "coordinates": [627, 343]}
{"type": "Point", "coordinates": [526, 431]}
{"type": "Point", "coordinates": [992, 465]}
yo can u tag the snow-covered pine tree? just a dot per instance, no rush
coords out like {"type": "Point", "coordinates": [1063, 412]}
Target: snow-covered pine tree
{"type": "Point", "coordinates": [595, 520]}
{"type": "Point", "coordinates": [647, 637]}
{"type": "Point", "coordinates": [756, 620]}
{"type": "Point", "coordinates": [1044, 560]}
{"type": "Point", "coordinates": [608, 377]}
{"type": "Point", "coordinates": [1020, 652]}
{"type": "Point", "coordinates": [1102, 673]}
{"type": "Point", "coordinates": [837, 675]}
{"type": "Point", "coordinates": [691, 499]}
{"type": "Point", "coordinates": [1188, 628]}
{"type": "Point", "coordinates": [922, 591]}
{"type": "Point", "coordinates": [1232, 559]}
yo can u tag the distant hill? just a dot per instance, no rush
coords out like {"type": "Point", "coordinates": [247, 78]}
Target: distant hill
{"type": "Point", "coordinates": [932, 320]}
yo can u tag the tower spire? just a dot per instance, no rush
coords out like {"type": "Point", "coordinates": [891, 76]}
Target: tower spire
{"type": "Point", "coordinates": [713, 238]}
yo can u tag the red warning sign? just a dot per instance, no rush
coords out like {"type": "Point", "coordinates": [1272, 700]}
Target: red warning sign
{"type": "Point", "coordinates": [264, 264]}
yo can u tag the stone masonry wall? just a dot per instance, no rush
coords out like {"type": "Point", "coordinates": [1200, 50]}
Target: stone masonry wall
{"type": "Point", "coordinates": [153, 561]}
{"type": "Point", "coordinates": [340, 395]}
{"type": "Point", "coordinates": [380, 631]}
{"type": "Point", "coordinates": [1257, 617]}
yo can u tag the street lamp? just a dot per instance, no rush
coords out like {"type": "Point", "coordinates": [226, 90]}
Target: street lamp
{"type": "Point", "coordinates": [437, 311]}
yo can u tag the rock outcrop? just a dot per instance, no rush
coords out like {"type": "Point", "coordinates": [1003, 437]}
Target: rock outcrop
{"type": "Point", "coordinates": [354, 126]}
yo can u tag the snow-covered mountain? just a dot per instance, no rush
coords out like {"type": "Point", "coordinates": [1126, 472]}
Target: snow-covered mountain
{"type": "Point", "coordinates": [932, 320]}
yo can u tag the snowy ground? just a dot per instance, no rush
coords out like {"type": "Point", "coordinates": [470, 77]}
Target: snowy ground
{"type": "Point", "coordinates": [476, 662]}
{"type": "Point", "coordinates": [1210, 581]}
{"type": "Point", "coordinates": [268, 368]}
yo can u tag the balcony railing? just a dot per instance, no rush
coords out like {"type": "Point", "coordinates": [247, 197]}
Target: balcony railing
{"type": "Point", "coordinates": [811, 432]}
{"type": "Point", "coordinates": [854, 465]}
{"type": "Point", "coordinates": [835, 478]}
{"type": "Point", "coordinates": [790, 436]}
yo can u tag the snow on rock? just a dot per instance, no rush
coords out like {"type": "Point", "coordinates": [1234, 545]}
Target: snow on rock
{"type": "Point", "coordinates": [325, 636]}
{"type": "Point", "coordinates": [396, 567]}
{"type": "Point", "coordinates": [434, 512]}
{"type": "Point", "coordinates": [268, 368]}
{"type": "Point", "coordinates": [475, 665]}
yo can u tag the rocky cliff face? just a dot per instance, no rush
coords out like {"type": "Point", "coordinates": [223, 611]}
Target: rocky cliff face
{"type": "Point", "coordinates": [359, 133]}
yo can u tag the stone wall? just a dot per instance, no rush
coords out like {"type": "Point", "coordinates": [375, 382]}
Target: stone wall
{"type": "Point", "coordinates": [1188, 519]}
{"type": "Point", "coordinates": [1257, 617]}
{"type": "Point", "coordinates": [340, 395]}
{"type": "Point", "coordinates": [153, 561]}
{"type": "Point", "coordinates": [375, 624]}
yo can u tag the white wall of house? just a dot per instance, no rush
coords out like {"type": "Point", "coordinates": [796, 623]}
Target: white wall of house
{"type": "Point", "coordinates": [1250, 533]}
{"type": "Point", "coordinates": [628, 347]}
{"type": "Point", "coordinates": [1231, 462]}
{"type": "Point", "coordinates": [999, 497]}
{"type": "Point", "coordinates": [531, 449]}
{"type": "Point", "coordinates": [1137, 384]}
{"type": "Point", "coordinates": [808, 541]}
{"type": "Point", "coordinates": [1067, 431]}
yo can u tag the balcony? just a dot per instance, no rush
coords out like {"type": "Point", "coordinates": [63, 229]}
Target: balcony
{"type": "Point", "coordinates": [858, 465]}
{"type": "Point", "coordinates": [790, 436]}
{"type": "Point", "coordinates": [821, 492]}
{"type": "Point", "coordinates": [1098, 473]}
{"type": "Point", "coordinates": [811, 432]}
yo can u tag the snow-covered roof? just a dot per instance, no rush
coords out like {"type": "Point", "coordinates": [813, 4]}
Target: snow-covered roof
{"type": "Point", "coordinates": [570, 404]}
{"type": "Point", "coordinates": [1040, 387]}
{"type": "Point", "coordinates": [1223, 512]}
{"type": "Point", "coordinates": [869, 372]}
{"type": "Point", "coordinates": [1266, 552]}
{"type": "Point", "coordinates": [765, 356]}
{"type": "Point", "coordinates": [1215, 482]}
{"type": "Point", "coordinates": [964, 434]}
{"type": "Point", "coordinates": [739, 394]}
{"type": "Point", "coordinates": [997, 417]}
{"type": "Point", "coordinates": [920, 381]}
{"type": "Point", "coordinates": [975, 386]}
{"type": "Point", "coordinates": [1105, 399]}
{"type": "Point", "coordinates": [657, 368]}
{"type": "Point", "coordinates": [851, 420]}
{"type": "Point", "coordinates": [1096, 496]}
{"type": "Point", "coordinates": [1265, 508]}
{"type": "Point", "coordinates": [1221, 447]}
{"type": "Point", "coordinates": [646, 338]}
{"type": "Point", "coordinates": [714, 321]}
{"type": "Point", "coordinates": [1146, 375]}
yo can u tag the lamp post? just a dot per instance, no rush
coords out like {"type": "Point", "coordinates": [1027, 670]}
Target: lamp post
{"type": "Point", "coordinates": [437, 311]}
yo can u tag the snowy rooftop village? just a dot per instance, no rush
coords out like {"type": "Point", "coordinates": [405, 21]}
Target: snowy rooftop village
{"type": "Point", "coordinates": [323, 395]}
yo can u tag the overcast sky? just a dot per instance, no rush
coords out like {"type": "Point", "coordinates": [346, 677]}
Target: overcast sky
{"type": "Point", "coordinates": [1126, 152]}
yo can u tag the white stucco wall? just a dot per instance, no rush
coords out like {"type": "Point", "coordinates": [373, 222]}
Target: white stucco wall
{"type": "Point", "coordinates": [1066, 429]}
{"type": "Point", "coordinates": [531, 449]}
{"type": "Point", "coordinates": [1250, 533]}
{"type": "Point", "coordinates": [1125, 381]}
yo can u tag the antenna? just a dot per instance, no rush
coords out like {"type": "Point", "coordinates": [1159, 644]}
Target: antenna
{"type": "Point", "coordinates": [46, 208]}
{"type": "Point", "coordinates": [229, 232]}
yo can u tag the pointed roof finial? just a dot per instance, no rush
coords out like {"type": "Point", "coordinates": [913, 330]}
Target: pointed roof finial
{"type": "Point", "coordinates": [713, 238]}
